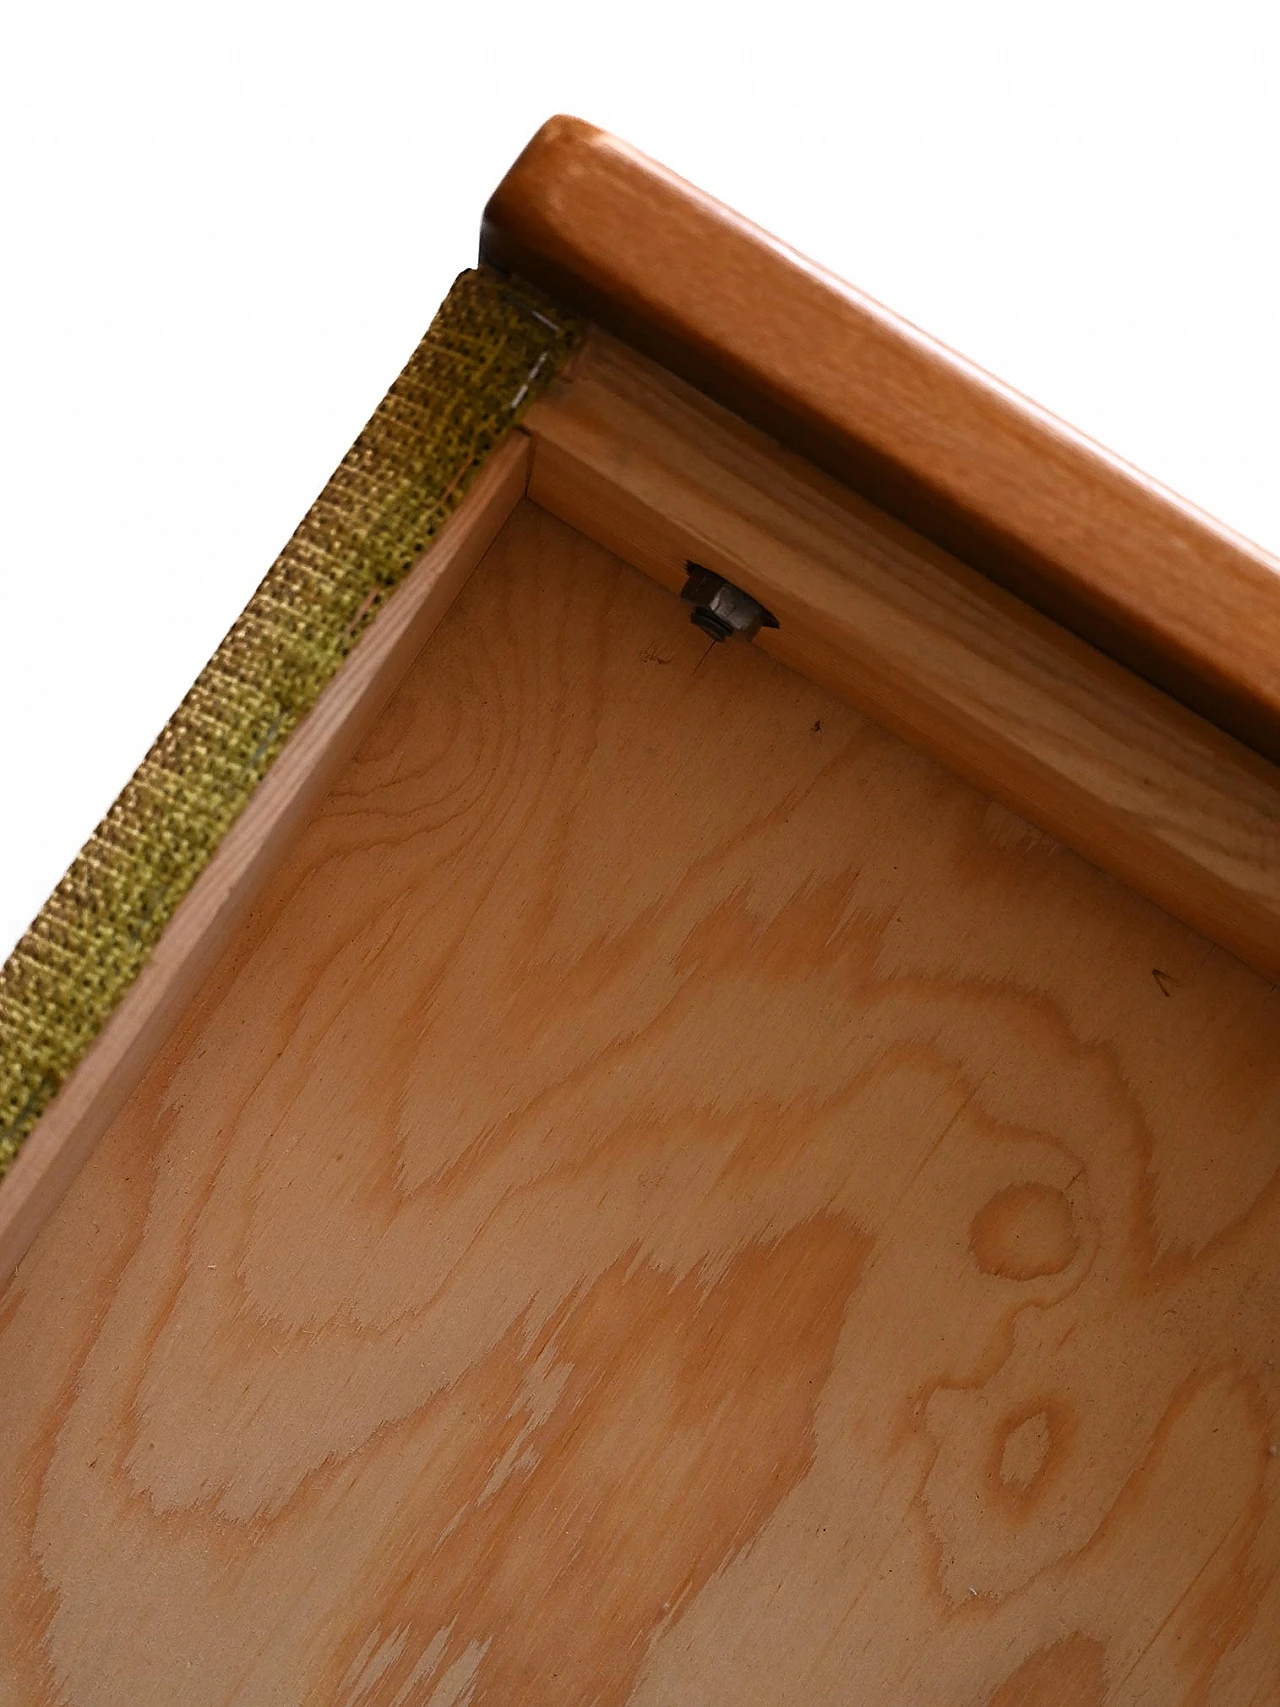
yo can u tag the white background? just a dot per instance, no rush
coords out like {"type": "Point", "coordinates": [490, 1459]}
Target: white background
{"type": "Point", "coordinates": [224, 227]}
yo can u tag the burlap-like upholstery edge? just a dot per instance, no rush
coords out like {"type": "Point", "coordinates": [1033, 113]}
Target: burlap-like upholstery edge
{"type": "Point", "coordinates": [492, 348]}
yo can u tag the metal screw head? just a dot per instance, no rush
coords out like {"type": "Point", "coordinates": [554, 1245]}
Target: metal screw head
{"type": "Point", "coordinates": [720, 608]}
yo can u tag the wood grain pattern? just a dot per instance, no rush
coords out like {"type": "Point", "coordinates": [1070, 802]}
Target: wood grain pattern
{"type": "Point", "coordinates": [205, 920]}
{"type": "Point", "coordinates": [648, 467]}
{"type": "Point", "coordinates": [671, 1197]}
{"type": "Point", "coordinates": [926, 435]}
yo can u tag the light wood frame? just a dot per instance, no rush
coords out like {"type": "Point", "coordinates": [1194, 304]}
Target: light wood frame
{"type": "Point", "coordinates": [648, 465]}
{"type": "Point", "coordinates": [627, 1180]}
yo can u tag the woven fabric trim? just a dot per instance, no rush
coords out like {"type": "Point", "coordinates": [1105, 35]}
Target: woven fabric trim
{"type": "Point", "coordinates": [491, 349]}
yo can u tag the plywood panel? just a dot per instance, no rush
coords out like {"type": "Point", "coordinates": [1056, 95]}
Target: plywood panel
{"type": "Point", "coordinates": [672, 1197]}
{"type": "Point", "coordinates": [286, 797]}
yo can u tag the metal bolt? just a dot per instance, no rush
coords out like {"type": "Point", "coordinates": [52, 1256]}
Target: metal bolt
{"type": "Point", "coordinates": [720, 608]}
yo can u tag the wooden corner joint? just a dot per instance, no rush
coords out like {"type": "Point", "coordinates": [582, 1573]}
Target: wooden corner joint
{"type": "Point", "coordinates": [925, 435]}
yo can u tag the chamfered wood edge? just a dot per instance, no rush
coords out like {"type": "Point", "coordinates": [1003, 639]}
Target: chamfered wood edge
{"type": "Point", "coordinates": [1088, 540]}
{"type": "Point", "coordinates": [1141, 786]}
{"type": "Point", "coordinates": [221, 896]}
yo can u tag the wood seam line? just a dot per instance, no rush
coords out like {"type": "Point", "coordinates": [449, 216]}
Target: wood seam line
{"type": "Point", "coordinates": [650, 468]}
{"type": "Point", "coordinates": [204, 921]}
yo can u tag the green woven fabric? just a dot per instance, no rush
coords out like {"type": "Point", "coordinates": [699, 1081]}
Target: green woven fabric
{"type": "Point", "coordinates": [491, 349]}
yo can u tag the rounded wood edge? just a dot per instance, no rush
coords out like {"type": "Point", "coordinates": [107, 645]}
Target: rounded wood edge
{"type": "Point", "coordinates": [1078, 533]}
